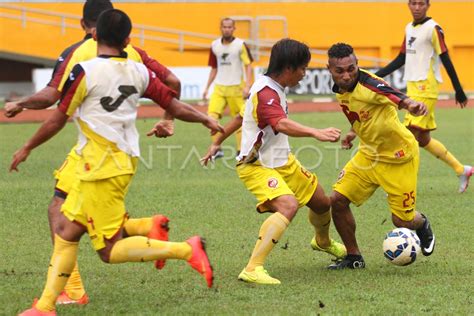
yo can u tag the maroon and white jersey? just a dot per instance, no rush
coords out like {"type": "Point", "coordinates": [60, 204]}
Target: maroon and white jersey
{"type": "Point", "coordinates": [265, 107]}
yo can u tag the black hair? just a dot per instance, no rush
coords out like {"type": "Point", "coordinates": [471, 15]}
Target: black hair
{"type": "Point", "coordinates": [287, 53]}
{"type": "Point", "coordinates": [113, 28]}
{"type": "Point", "coordinates": [92, 9]}
{"type": "Point", "coordinates": [340, 50]}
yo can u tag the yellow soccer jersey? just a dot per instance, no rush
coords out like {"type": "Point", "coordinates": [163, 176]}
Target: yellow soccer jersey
{"type": "Point", "coordinates": [371, 108]}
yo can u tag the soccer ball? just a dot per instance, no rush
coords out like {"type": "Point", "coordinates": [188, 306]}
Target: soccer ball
{"type": "Point", "coordinates": [401, 246]}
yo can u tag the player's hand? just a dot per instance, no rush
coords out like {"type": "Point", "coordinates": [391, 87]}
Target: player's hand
{"type": "Point", "coordinates": [414, 107]}
{"type": "Point", "coordinates": [417, 108]}
{"type": "Point", "coordinates": [330, 134]}
{"type": "Point", "coordinates": [346, 142]}
{"type": "Point", "coordinates": [213, 149]}
{"type": "Point", "coordinates": [213, 125]}
{"type": "Point", "coordinates": [12, 109]}
{"type": "Point", "coordinates": [461, 99]}
{"type": "Point", "coordinates": [162, 129]}
{"type": "Point", "coordinates": [18, 157]}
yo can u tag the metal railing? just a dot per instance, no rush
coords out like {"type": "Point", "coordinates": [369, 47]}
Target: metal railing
{"type": "Point", "coordinates": [259, 46]}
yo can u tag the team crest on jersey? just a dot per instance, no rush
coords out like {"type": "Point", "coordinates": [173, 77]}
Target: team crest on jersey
{"type": "Point", "coordinates": [364, 116]}
{"type": "Point", "coordinates": [272, 183]}
{"type": "Point", "coordinates": [341, 174]}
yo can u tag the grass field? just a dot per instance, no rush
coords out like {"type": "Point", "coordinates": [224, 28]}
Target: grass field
{"type": "Point", "coordinates": [213, 202]}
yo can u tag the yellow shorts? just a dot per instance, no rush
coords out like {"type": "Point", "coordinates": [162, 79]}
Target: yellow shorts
{"type": "Point", "coordinates": [226, 95]}
{"type": "Point", "coordinates": [361, 177]}
{"type": "Point", "coordinates": [426, 122]}
{"type": "Point", "coordinates": [66, 174]}
{"type": "Point", "coordinates": [268, 183]}
{"type": "Point", "coordinates": [99, 206]}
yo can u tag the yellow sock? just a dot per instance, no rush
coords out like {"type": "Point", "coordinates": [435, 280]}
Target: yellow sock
{"type": "Point", "coordinates": [140, 249]}
{"type": "Point", "coordinates": [138, 226]}
{"type": "Point", "coordinates": [321, 223]}
{"type": "Point", "coordinates": [438, 150]}
{"type": "Point", "coordinates": [60, 268]}
{"type": "Point", "coordinates": [74, 287]}
{"type": "Point", "coordinates": [270, 232]}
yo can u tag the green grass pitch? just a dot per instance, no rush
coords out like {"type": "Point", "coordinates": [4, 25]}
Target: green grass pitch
{"type": "Point", "coordinates": [214, 203]}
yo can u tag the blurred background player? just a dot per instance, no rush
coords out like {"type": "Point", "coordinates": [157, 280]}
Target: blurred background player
{"type": "Point", "coordinates": [106, 109]}
{"type": "Point", "coordinates": [268, 168]}
{"type": "Point", "coordinates": [388, 155]}
{"type": "Point", "coordinates": [228, 57]}
{"type": "Point", "coordinates": [154, 227]}
{"type": "Point", "coordinates": [421, 51]}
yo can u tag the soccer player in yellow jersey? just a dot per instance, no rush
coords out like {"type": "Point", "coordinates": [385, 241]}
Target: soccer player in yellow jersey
{"type": "Point", "coordinates": [387, 156]}
{"type": "Point", "coordinates": [105, 109]}
{"type": "Point", "coordinates": [228, 57]}
{"type": "Point", "coordinates": [154, 227]}
{"type": "Point", "coordinates": [422, 50]}
{"type": "Point", "coordinates": [267, 167]}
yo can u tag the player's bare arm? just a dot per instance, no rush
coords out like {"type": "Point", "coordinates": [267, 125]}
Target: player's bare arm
{"type": "Point", "coordinates": [295, 129]}
{"type": "Point", "coordinates": [248, 75]}
{"type": "Point", "coordinates": [229, 129]}
{"type": "Point", "coordinates": [38, 101]}
{"type": "Point", "coordinates": [49, 128]}
{"type": "Point", "coordinates": [187, 113]}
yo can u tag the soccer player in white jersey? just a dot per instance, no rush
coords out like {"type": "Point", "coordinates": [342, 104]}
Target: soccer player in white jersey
{"type": "Point", "coordinates": [268, 168]}
{"type": "Point", "coordinates": [422, 49]}
{"type": "Point", "coordinates": [228, 57]}
{"type": "Point", "coordinates": [105, 109]}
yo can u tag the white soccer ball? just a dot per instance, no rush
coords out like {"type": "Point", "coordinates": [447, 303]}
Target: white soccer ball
{"type": "Point", "coordinates": [401, 246]}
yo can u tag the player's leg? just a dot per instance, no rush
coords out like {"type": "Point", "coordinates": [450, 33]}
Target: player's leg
{"type": "Point", "coordinates": [320, 217]}
{"type": "Point", "coordinates": [105, 219]}
{"type": "Point", "coordinates": [421, 126]}
{"type": "Point", "coordinates": [74, 291]}
{"type": "Point", "coordinates": [156, 227]}
{"type": "Point", "coordinates": [400, 183]}
{"type": "Point", "coordinates": [63, 260]}
{"type": "Point", "coordinates": [215, 109]}
{"type": "Point", "coordinates": [437, 149]}
{"type": "Point", "coordinates": [284, 208]}
{"type": "Point", "coordinates": [355, 184]}
{"type": "Point", "coordinates": [273, 195]}
{"type": "Point", "coordinates": [309, 192]}
{"type": "Point", "coordinates": [143, 249]}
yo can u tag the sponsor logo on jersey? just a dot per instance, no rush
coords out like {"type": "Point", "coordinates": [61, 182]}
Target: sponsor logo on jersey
{"type": "Point", "coordinates": [224, 60]}
{"type": "Point", "coordinates": [411, 41]}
